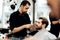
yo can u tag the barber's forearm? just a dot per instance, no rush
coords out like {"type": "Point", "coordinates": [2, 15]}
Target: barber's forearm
{"type": "Point", "coordinates": [17, 29]}
{"type": "Point", "coordinates": [20, 28]}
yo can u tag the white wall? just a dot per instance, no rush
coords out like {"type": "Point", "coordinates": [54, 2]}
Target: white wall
{"type": "Point", "coordinates": [1, 8]}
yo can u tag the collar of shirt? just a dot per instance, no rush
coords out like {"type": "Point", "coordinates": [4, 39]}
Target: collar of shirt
{"type": "Point", "coordinates": [23, 13]}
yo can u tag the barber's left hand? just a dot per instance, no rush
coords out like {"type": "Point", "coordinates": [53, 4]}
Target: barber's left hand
{"type": "Point", "coordinates": [6, 37]}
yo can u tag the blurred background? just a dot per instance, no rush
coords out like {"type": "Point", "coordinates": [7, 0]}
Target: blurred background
{"type": "Point", "coordinates": [37, 9]}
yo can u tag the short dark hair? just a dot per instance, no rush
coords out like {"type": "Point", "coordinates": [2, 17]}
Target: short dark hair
{"type": "Point", "coordinates": [44, 21]}
{"type": "Point", "coordinates": [25, 2]}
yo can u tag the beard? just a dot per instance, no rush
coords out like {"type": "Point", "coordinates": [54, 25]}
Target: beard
{"type": "Point", "coordinates": [38, 28]}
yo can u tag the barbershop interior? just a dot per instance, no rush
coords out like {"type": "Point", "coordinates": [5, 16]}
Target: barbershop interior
{"type": "Point", "coordinates": [36, 10]}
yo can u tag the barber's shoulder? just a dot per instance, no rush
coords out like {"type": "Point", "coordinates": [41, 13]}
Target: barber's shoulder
{"type": "Point", "coordinates": [14, 13]}
{"type": "Point", "coordinates": [27, 14]}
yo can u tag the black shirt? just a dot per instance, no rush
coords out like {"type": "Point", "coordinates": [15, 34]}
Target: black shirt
{"type": "Point", "coordinates": [54, 28]}
{"type": "Point", "coordinates": [16, 20]}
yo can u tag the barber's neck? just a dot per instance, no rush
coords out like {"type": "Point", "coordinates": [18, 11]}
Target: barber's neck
{"type": "Point", "coordinates": [20, 10]}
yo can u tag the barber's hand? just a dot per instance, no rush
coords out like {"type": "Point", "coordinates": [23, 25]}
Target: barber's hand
{"type": "Point", "coordinates": [6, 37]}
